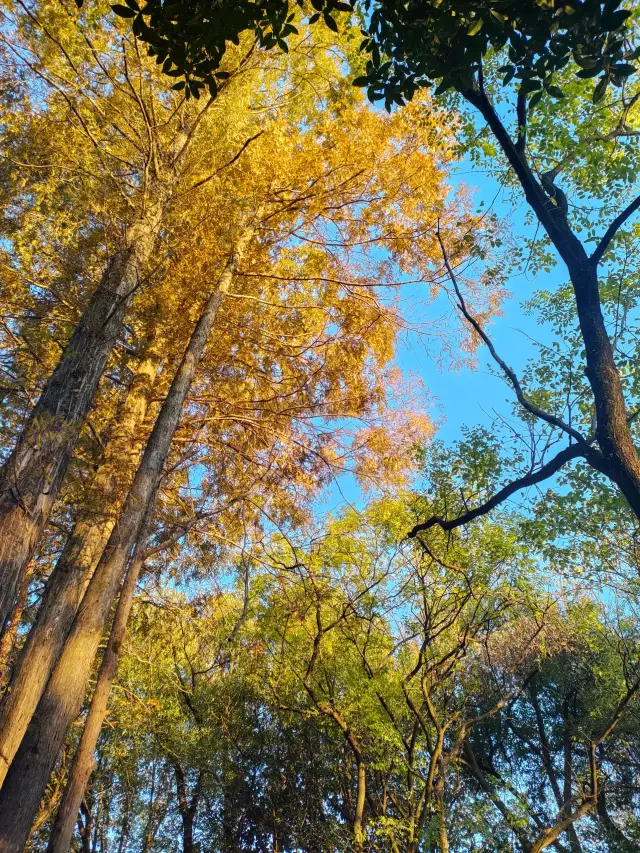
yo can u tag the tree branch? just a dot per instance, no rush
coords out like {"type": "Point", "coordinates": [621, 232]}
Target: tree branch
{"type": "Point", "coordinates": [508, 372]}
{"type": "Point", "coordinates": [574, 451]}
{"type": "Point", "coordinates": [611, 231]}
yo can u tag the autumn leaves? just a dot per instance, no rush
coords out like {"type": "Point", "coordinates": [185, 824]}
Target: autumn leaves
{"type": "Point", "coordinates": [214, 275]}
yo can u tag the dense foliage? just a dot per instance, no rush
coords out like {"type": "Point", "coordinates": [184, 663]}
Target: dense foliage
{"type": "Point", "coordinates": [214, 250]}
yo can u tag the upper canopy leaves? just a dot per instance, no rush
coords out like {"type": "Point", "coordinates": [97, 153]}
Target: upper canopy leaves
{"type": "Point", "coordinates": [410, 44]}
{"type": "Point", "coordinates": [417, 43]}
{"type": "Point", "coordinates": [190, 38]}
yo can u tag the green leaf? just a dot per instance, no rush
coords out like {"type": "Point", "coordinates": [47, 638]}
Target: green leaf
{"type": "Point", "coordinates": [329, 21]}
{"type": "Point", "coordinates": [624, 69]}
{"type": "Point", "coordinates": [535, 99]}
{"type": "Point", "coordinates": [587, 73]}
{"type": "Point", "coordinates": [361, 82]}
{"type": "Point", "coordinates": [123, 11]}
{"type": "Point", "coordinates": [555, 91]}
{"type": "Point", "coordinates": [584, 61]}
{"type": "Point", "coordinates": [599, 91]}
{"type": "Point", "coordinates": [475, 27]}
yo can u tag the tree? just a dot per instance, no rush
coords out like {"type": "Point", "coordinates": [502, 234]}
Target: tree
{"type": "Point", "coordinates": [148, 168]}
{"type": "Point", "coordinates": [538, 43]}
{"type": "Point", "coordinates": [355, 185]}
{"type": "Point", "coordinates": [400, 63]}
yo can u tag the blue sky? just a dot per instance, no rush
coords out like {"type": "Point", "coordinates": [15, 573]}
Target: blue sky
{"type": "Point", "coordinates": [470, 396]}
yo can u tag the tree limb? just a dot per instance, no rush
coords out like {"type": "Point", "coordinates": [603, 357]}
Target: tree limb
{"type": "Point", "coordinates": [574, 451]}
{"type": "Point", "coordinates": [612, 230]}
{"type": "Point", "coordinates": [508, 372]}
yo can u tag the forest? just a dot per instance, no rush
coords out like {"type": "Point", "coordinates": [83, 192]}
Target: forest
{"type": "Point", "coordinates": [319, 434]}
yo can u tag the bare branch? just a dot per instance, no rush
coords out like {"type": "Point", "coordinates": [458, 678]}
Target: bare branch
{"type": "Point", "coordinates": [612, 230]}
{"type": "Point", "coordinates": [508, 372]}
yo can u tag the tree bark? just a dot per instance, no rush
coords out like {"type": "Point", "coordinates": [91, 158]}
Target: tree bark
{"type": "Point", "coordinates": [358, 819]}
{"type": "Point", "coordinates": [75, 566]}
{"type": "Point", "coordinates": [31, 477]}
{"type": "Point", "coordinates": [84, 828]}
{"type": "Point", "coordinates": [186, 808]}
{"type": "Point", "coordinates": [61, 702]}
{"type": "Point", "coordinates": [9, 637]}
{"type": "Point", "coordinates": [83, 763]}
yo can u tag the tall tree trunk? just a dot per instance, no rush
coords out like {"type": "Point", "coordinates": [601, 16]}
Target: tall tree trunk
{"type": "Point", "coordinates": [443, 839]}
{"type": "Point", "coordinates": [76, 564]}
{"type": "Point", "coordinates": [9, 637]}
{"type": "Point", "coordinates": [85, 823]}
{"type": "Point", "coordinates": [124, 829]}
{"type": "Point", "coordinates": [358, 819]}
{"type": "Point", "coordinates": [61, 702]}
{"type": "Point", "coordinates": [31, 477]}
{"type": "Point", "coordinates": [83, 762]}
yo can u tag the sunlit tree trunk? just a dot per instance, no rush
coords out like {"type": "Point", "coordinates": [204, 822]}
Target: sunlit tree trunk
{"type": "Point", "coordinates": [9, 636]}
{"type": "Point", "coordinates": [76, 564]}
{"type": "Point", "coordinates": [31, 477]}
{"type": "Point", "coordinates": [83, 762]}
{"type": "Point", "coordinates": [60, 704]}
{"type": "Point", "coordinates": [358, 820]}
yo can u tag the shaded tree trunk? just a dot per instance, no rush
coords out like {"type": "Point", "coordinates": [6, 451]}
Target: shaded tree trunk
{"type": "Point", "coordinates": [619, 458]}
{"type": "Point", "coordinates": [85, 823]}
{"type": "Point", "coordinates": [186, 807]}
{"type": "Point", "coordinates": [61, 702]}
{"type": "Point", "coordinates": [31, 477]}
{"type": "Point", "coordinates": [75, 566]}
{"type": "Point", "coordinates": [9, 636]}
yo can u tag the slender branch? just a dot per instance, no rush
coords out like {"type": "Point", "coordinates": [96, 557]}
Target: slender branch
{"type": "Point", "coordinates": [226, 165]}
{"type": "Point", "coordinates": [611, 231]}
{"type": "Point", "coordinates": [521, 113]}
{"type": "Point", "coordinates": [508, 372]}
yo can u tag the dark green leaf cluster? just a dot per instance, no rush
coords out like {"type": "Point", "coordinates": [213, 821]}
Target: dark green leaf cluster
{"type": "Point", "coordinates": [417, 43]}
{"type": "Point", "coordinates": [189, 37]}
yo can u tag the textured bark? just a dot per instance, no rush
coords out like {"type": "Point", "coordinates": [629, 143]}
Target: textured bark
{"type": "Point", "coordinates": [83, 762]}
{"type": "Point", "coordinates": [359, 837]}
{"type": "Point", "coordinates": [76, 564]}
{"type": "Point", "coordinates": [60, 704]}
{"type": "Point", "coordinates": [32, 476]}
{"type": "Point", "coordinates": [9, 637]}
